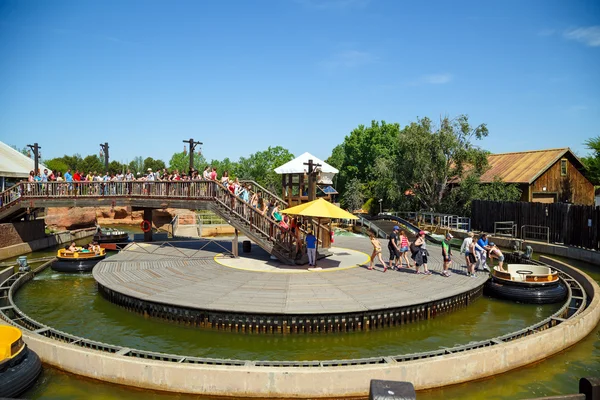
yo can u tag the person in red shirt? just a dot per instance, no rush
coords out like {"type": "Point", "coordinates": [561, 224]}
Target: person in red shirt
{"type": "Point", "coordinates": [76, 178]}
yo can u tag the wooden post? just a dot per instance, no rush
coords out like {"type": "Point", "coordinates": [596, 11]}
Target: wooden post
{"type": "Point", "coordinates": [148, 217]}
{"type": "Point", "coordinates": [234, 244]}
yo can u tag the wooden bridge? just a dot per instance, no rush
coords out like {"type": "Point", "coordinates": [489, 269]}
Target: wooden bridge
{"type": "Point", "coordinates": [25, 198]}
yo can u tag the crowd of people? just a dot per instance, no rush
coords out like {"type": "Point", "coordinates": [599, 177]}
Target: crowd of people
{"type": "Point", "coordinates": [476, 252]}
{"type": "Point", "coordinates": [163, 183]}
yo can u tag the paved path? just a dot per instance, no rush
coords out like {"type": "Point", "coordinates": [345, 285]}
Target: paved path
{"type": "Point", "coordinates": [188, 277]}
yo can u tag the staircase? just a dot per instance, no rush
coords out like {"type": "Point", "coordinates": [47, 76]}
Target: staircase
{"type": "Point", "coordinates": [261, 229]}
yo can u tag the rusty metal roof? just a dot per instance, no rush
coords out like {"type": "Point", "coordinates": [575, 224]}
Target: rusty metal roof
{"type": "Point", "coordinates": [524, 167]}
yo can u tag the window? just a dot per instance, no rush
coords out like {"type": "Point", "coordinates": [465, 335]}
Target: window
{"type": "Point", "coordinates": [563, 167]}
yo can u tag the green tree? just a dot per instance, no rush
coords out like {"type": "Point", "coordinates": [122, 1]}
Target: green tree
{"type": "Point", "coordinates": [115, 167]}
{"type": "Point", "coordinates": [470, 188]}
{"type": "Point", "coordinates": [592, 162]}
{"type": "Point", "coordinates": [92, 163]}
{"type": "Point", "coordinates": [137, 165]}
{"type": "Point", "coordinates": [353, 196]}
{"type": "Point", "coordinates": [260, 167]}
{"type": "Point", "coordinates": [155, 165]}
{"type": "Point", "coordinates": [356, 157]}
{"type": "Point", "coordinates": [225, 165]}
{"type": "Point", "coordinates": [56, 164]}
{"type": "Point", "coordinates": [181, 162]}
{"type": "Point", "coordinates": [430, 156]}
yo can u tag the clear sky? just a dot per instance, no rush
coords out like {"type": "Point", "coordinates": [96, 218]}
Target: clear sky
{"type": "Point", "coordinates": [242, 75]}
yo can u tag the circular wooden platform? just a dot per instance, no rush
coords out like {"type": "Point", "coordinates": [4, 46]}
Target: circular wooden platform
{"type": "Point", "coordinates": [202, 287]}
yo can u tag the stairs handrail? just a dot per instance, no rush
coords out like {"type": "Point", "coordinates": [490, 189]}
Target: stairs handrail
{"type": "Point", "coordinates": [264, 190]}
{"type": "Point", "coordinates": [413, 228]}
{"type": "Point", "coordinates": [377, 230]}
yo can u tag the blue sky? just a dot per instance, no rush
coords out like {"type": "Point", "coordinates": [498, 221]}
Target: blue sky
{"type": "Point", "coordinates": [244, 75]}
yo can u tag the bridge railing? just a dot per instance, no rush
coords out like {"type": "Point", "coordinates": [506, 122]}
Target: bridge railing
{"type": "Point", "coordinates": [193, 190]}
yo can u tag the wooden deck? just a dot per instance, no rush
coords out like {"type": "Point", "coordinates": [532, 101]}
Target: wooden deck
{"type": "Point", "coordinates": [187, 278]}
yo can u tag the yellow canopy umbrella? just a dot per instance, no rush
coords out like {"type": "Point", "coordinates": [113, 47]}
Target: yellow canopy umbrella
{"type": "Point", "coordinates": [319, 208]}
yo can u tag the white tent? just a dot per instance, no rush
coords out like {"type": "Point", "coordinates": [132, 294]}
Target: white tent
{"type": "Point", "coordinates": [13, 164]}
{"type": "Point", "coordinates": [297, 166]}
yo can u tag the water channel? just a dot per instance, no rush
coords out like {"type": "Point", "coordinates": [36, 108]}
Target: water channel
{"type": "Point", "coordinates": [71, 303]}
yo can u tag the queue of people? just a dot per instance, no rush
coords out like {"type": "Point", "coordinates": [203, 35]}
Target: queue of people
{"type": "Point", "coordinates": [476, 251]}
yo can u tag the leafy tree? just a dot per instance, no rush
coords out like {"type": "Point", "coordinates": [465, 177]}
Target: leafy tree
{"type": "Point", "coordinates": [470, 188]}
{"type": "Point", "coordinates": [225, 165]}
{"type": "Point", "coordinates": [353, 196]}
{"type": "Point", "coordinates": [72, 161]}
{"type": "Point", "coordinates": [137, 165]}
{"type": "Point", "coordinates": [592, 162]}
{"type": "Point", "coordinates": [181, 162]}
{"type": "Point", "coordinates": [260, 167]}
{"type": "Point", "coordinates": [92, 163]}
{"type": "Point", "coordinates": [356, 157]}
{"type": "Point", "coordinates": [155, 165]}
{"type": "Point", "coordinates": [115, 167]}
{"type": "Point", "coordinates": [56, 164]}
{"type": "Point", "coordinates": [430, 156]}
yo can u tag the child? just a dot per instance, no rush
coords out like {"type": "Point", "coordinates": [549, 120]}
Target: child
{"type": "Point", "coordinates": [376, 251]}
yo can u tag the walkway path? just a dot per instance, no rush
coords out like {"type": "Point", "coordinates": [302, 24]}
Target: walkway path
{"type": "Point", "coordinates": [202, 279]}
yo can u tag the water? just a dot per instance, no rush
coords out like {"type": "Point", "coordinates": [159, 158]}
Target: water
{"type": "Point", "coordinates": [71, 303]}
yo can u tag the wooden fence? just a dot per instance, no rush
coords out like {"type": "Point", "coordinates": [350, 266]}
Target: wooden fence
{"type": "Point", "coordinates": [569, 224]}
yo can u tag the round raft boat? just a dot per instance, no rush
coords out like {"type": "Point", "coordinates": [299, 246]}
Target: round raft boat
{"type": "Point", "coordinates": [77, 261]}
{"type": "Point", "coordinates": [536, 284]}
{"type": "Point", "coordinates": [19, 366]}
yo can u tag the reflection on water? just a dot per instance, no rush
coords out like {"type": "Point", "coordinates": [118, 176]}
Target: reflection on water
{"type": "Point", "coordinates": [71, 303]}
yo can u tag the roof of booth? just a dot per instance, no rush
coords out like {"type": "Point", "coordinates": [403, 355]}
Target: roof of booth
{"type": "Point", "coordinates": [296, 166]}
{"type": "Point", "coordinates": [13, 164]}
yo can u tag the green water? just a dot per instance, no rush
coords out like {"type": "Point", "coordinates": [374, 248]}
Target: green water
{"type": "Point", "coordinates": [71, 303]}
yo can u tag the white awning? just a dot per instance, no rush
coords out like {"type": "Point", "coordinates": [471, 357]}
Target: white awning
{"type": "Point", "coordinates": [13, 164]}
{"type": "Point", "coordinates": [296, 166]}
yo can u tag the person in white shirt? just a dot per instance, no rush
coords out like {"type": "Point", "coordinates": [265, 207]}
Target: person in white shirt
{"type": "Point", "coordinates": [470, 258]}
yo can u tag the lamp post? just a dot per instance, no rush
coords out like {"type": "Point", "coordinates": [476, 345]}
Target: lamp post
{"type": "Point", "coordinates": [36, 156]}
{"type": "Point", "coordinates": [192, 147]}
{"type": "Point", "coordinates": [380, 205]}
{"type": "Point", "coordinates": [104, 148]}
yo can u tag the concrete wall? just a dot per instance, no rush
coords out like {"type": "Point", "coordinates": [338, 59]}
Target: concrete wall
{"type": "Point", "coordinates": [288, 382]}
{"type": "Point", "coordinates": [21, 232]}
{"type": "Point", "coordinates": [48, 241]}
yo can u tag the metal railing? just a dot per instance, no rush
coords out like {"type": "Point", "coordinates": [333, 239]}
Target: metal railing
{"type": "Point", "coordinates": [576, 302]}
{"type": "Point", "coordinates": [535, 232]}
{"type": "Point", "coordinates": [505, 228]}
{"type": "Point", "coordinates": [370, 226]}
{"type": "Point", "coordinates": [444, 221]}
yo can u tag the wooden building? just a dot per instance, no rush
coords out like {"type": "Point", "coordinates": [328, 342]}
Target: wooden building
{"type": "Point", "coordinates": [544, 176]}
